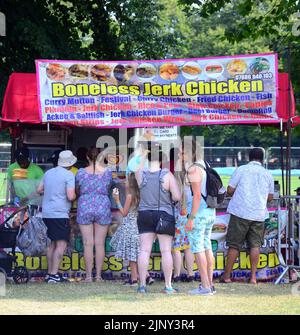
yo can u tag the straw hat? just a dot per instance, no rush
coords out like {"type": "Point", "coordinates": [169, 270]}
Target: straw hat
{"type": "Point", "coordinates": [66, 159]}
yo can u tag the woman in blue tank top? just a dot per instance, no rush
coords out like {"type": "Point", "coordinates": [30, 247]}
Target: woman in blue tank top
{"type": "Point", "coordinates": [200, 217]}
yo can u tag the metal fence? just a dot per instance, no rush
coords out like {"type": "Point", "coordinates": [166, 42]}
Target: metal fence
{"type": "Point", "coordinates": [237, 156]}
{"type": "Point", "coordinates": [5, 155]}
{"type": "Point", "coordinates": [5, 159]}
{"type": "Point", "coordinates": [227, 156]}
{"type": "Point", "coordinates": [273, 157]}
{"type": "Point", "coordinates": [289, 237]}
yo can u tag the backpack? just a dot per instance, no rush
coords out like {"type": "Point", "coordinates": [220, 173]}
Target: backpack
{"type": "Point", "coordinates": [32, 239]}
{"type": "Point", "coordinates": [214, 187]}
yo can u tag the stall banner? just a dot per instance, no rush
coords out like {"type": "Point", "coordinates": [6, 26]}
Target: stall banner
{"type": "Point", "coordinates": [73, 265]}
{"type": "Point", "coordinates": [212, 90]}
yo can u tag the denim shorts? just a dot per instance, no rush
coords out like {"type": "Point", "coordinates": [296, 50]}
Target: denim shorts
{"type": "Point", "coordinates": [199, 236]}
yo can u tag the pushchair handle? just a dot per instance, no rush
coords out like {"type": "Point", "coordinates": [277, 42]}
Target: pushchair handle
{"type": "Point", "coordinates": [24, 208]}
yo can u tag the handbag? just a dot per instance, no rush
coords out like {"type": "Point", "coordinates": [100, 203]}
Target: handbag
{"type": "Point", "coordinates": [166, 222]}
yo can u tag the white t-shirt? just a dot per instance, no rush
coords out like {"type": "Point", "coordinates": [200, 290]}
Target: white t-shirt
{"type": "Point", "coordinates": [252, 183]}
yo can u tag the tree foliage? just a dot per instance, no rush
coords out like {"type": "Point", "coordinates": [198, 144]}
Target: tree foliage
{"type": "Point", "coordinates": [79, 29]}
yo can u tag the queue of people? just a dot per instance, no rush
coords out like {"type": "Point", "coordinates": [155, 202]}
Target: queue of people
{"type": "Point", "coordinates": [159, 204]}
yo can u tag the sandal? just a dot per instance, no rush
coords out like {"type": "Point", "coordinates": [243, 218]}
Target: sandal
{"type": "Point", "coordinates": [149, 280]}
{"type": "Point", "coordinates": [88, 280]}
{"type": "Point", "coordinates": [99, 279]}
{"type": "Point", "coordinates": [131, 282]}
{"type": "Point", "coordinates": [225, 281]}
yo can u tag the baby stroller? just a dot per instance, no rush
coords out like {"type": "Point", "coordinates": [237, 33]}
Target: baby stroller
{"type": "Point", "coordinates": [8, 234]}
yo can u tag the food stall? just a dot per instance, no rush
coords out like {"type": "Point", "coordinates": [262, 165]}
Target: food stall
{"type": "Point", "coordinates": [83, 102]}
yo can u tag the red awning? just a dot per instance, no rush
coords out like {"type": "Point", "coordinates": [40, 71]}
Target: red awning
{"type": "Point", "coordinates": [21, 102]}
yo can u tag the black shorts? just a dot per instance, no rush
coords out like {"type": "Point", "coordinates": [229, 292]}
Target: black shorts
{"type": "Point", "coordinates": [58, 229]}
{"type": "Point", "coordinates": [148, 220]}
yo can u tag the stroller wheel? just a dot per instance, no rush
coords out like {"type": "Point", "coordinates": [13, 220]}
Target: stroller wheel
{"type": "Point", "coordinates": [20, 275]}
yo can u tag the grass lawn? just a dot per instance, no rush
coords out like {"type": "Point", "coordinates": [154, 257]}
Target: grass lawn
{"type": "Point", "coordinates": [295, 182]}
{"type": "Point", "coordinates": [115, 299]}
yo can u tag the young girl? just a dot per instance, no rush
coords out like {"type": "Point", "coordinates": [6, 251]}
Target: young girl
{"type": "Point", "coordinates": [180, 241]}
{"type": "Point", "coordinates": [125, 241]}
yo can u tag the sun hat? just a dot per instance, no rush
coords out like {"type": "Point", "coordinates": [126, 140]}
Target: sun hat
{"type": "Point", "coordinates": [66, 159]}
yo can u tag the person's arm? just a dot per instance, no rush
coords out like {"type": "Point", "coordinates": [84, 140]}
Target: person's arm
{"type": "Point", "coordinates": [123, 210]}
{"type": "Point", "coordinates": [71, 194]}
{"type": "Point", "coordinates": [70, 187]}
{"type": "Point", "coordinates": [77, 184]}
{"type": "Point", "coordinates": [174, 189]}
{"type": "Point", "coordinates": [139, 177]}
{"type": "Point", "coordinates": [233, 182]}
{"type": "Point", "coordinates": [230, 190]}
{"type": "Point", "coordinates": [195, 179]}
{"type": "Point", "coordinates": [40, 189]}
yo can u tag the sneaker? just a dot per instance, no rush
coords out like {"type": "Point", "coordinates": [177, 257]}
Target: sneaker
{"type": "Point", "coordinates": [53, 279]}
{"type": "Point", "coordinates": [131, 282]}
{"type": "Point", "coordinates": [213, 290]}
{"type": "Point", "coordinates": [176, 279]}
{"type": "Point", "coordinates": [190, 279]}
{"type": "Point", "coordinates": [56, 279]}
{"type": "Point", "coordinates": [141, 289]}
{"type": "Point", "coordinates": [201, 291]}
{"type": "Point", "coordinates": [149, 280]}
{"type": "Point", "coordinates": [170, 290]}
{"type": "Point", "coordinates": [63, 279]}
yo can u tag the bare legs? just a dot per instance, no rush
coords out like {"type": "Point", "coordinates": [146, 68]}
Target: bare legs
{"type": "Point", "coordinates": [50, 252]}
{"type": "Point", "coordinates": [231, 257]}
{"type": "Point", "coordinates": [133, 270]}
{"type": "Point", "coordinates": [100, 235]}
{"type": "Point", "coordinates": [210, 265]}
{"type": "Point", "coordinates": [254, 258]}
{"type": "Point", "coordinates": [202, 265]}
{"type": "Point", "coordinates": [165, 245]}
{"type": "Point", "coordinates": [87, 232]}
{"type": "Point", "coordinates": [54, 255]}
{"type": "Point", "coordinates": [146, 242]}
{"type": "Point", "coordinates": [189, 261]}
{"type": "Point", "coordinates": [177, 260]}
{"type": "Point", "coordinates": [94, 235]}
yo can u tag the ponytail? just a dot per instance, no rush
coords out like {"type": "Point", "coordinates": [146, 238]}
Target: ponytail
{"type": "Point", "coordinates": [92, 155]}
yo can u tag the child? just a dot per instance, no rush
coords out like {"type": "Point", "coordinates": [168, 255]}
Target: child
{"type": "Point", "coordinates": [181, 242]}
{"type": "Point", "coordinates": [125, 241]}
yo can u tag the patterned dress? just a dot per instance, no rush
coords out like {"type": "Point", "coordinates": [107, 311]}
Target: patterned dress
{"type": "Point", "coordinates": [181, 241]}
{"type": "Point", "coordinates": [125, 241]}
{"type": "Point", "coordinates": [94, 205]}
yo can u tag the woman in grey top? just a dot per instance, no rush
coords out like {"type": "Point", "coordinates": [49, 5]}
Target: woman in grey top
{"type": "Point", "coordinates": [158, 188]}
